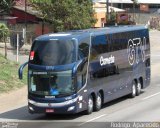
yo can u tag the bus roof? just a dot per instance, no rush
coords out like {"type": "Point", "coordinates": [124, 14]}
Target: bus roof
{"type": "Point", "coordinates": [94, 31]}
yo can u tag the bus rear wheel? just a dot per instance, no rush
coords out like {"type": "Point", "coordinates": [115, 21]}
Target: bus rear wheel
{"type": "Point", "coordinates": [138, 89]}
{"type": "Point", "coordinates": [90, 105]}
{"type": "Point", "coordinates": [98, 103]}
{"type": "Point", "coordinates": [134, 89]}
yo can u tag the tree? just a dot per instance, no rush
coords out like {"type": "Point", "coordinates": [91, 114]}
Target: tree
{"type": "Point", "coordinates": [112, 15]}
{"type": "Point", "coordinates": [6, 5]}
{"type": "Point", "coordinates": [66, 14]}
{"type": "Point", "coordinates": [4, 33]}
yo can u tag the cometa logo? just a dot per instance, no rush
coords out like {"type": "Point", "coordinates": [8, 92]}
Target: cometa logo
{"type": "Point", "coordinates": [105, 61]}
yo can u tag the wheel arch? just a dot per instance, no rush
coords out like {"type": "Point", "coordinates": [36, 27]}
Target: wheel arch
{"type": "Point", "coordinates": [135, 80]}
{"type": "Point", "coordinates": [141, 81]}
{"type": "Point", "coordinates": [102, 95]}
{"type": "Point", "coordinates": [94, 97]}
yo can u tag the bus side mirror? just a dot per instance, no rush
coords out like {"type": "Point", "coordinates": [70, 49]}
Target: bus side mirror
{"type": "Point", "coordinates": [20, 71]}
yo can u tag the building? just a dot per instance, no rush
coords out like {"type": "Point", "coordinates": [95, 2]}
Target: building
{"type": "Point", "coordinates": [140, 12]}
{"type": "Point", "coordinates": [24, 17]}
{"type": "Point", "coordinates": [100, 13]}
{"type": "Point", "coordinates": [153, 5]}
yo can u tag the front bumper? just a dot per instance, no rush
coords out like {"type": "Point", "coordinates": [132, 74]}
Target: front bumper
{"type": "Point", "coordinates": [67, 107]}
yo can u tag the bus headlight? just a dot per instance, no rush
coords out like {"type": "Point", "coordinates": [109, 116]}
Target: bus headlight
{"type": "Point", "coordinates": [31, 101]}
{"type": "Point", "coordinates": [71, 108]}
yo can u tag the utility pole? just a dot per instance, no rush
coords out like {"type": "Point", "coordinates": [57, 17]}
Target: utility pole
{"type": "Point", "coordinates": [133, 10]}
{"type": "Point", "coordinates": [17, 53]}
{"type": "Point", "coordinates": [25, 8]}
{"type": "Point", "coordinates": [107, 10]}
{"type": "Point", "coordinates": [134, 4]}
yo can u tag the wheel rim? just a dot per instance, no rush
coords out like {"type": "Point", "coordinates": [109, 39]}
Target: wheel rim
{"type": "Point", "coordinates": [90, 105]}
{"type": "Point", "coordinates": [99, 101]}
{"type": "Point", "coordinates": [133, 90]}
{"type": "Point", "coordinates": [139, 87]}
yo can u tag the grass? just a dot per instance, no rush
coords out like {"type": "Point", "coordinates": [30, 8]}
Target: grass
{"type": "Point", "coordinates": [9, 76]}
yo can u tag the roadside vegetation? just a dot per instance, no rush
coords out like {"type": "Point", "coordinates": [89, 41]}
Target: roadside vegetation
{"type": "Point", "coordinates": [9, 75]}
{"type": "Point", "coordinates": [65, 15]}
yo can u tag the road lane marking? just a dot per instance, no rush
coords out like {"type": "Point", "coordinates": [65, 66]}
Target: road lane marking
{"type": "Point", "coordinates": [151, 96]}
{"type": "Point", "coordinates": [92, 120]}
{"type": "Point", "coordinates": [155, 55]}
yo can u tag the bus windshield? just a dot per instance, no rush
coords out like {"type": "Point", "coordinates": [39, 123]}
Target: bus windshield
{"type": "Point", "coordinates": [51, 83]}
{"type": "Point", "coordinates": [53, 52]}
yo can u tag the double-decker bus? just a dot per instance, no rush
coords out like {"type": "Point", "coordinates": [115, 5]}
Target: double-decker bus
{"type": "Point", "coordinates": [80, 70]}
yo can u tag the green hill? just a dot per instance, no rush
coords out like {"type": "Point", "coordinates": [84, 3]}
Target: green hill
{"type": "Point", "coordinates": [9, 75]}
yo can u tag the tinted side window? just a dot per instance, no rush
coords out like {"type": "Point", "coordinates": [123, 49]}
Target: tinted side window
{"type": "Point", "coordinates": [99, 44]}
{"type": "Point", "coordinates": [119, 41]}
{"type": "Point", "coordinates": [83, 48]}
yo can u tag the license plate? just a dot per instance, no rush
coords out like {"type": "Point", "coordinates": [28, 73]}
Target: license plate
{"type": "Point", "coordinates": [49, 110]}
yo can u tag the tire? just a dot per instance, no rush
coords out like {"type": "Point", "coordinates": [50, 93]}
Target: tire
{"type": "Point", "coordinates": [134, 90]}
{"type": "Point", "coordinates": [138, 89]}
{"type": "Point", "coordinates": [90, 105]}
{"type": "Point", "coordinates": [98, 103]}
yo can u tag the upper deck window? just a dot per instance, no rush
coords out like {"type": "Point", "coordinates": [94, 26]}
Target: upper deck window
{"type": "Point", "coordinates": [53, 52]}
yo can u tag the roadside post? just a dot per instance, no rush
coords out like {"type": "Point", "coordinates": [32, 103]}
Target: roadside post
{"type": "Point", "coordinates": [5, 46]}
{"type": "Point", "coordinates": [17, 55]}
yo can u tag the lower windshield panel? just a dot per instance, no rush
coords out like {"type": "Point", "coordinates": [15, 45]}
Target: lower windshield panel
{"type": "Point", "coordinates": [51, 83]}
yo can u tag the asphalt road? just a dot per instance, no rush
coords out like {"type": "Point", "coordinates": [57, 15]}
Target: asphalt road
{"type": "Point", "coordinates": [144, 108]}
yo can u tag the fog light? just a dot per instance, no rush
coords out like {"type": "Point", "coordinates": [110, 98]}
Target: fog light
{"type": "Point", "coordinates": [30, 108]}
{"type": "Point", "coordinates": [31, 101]}
{"type": "Point", "coordinates": [71, 108]}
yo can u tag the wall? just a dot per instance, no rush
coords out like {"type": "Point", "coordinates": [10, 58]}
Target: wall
{"type": "Point", "coordinates": [100, 16]}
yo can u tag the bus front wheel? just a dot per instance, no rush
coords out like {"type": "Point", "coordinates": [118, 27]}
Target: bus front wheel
{"type": "Point", "coordinates": [90, 105]}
